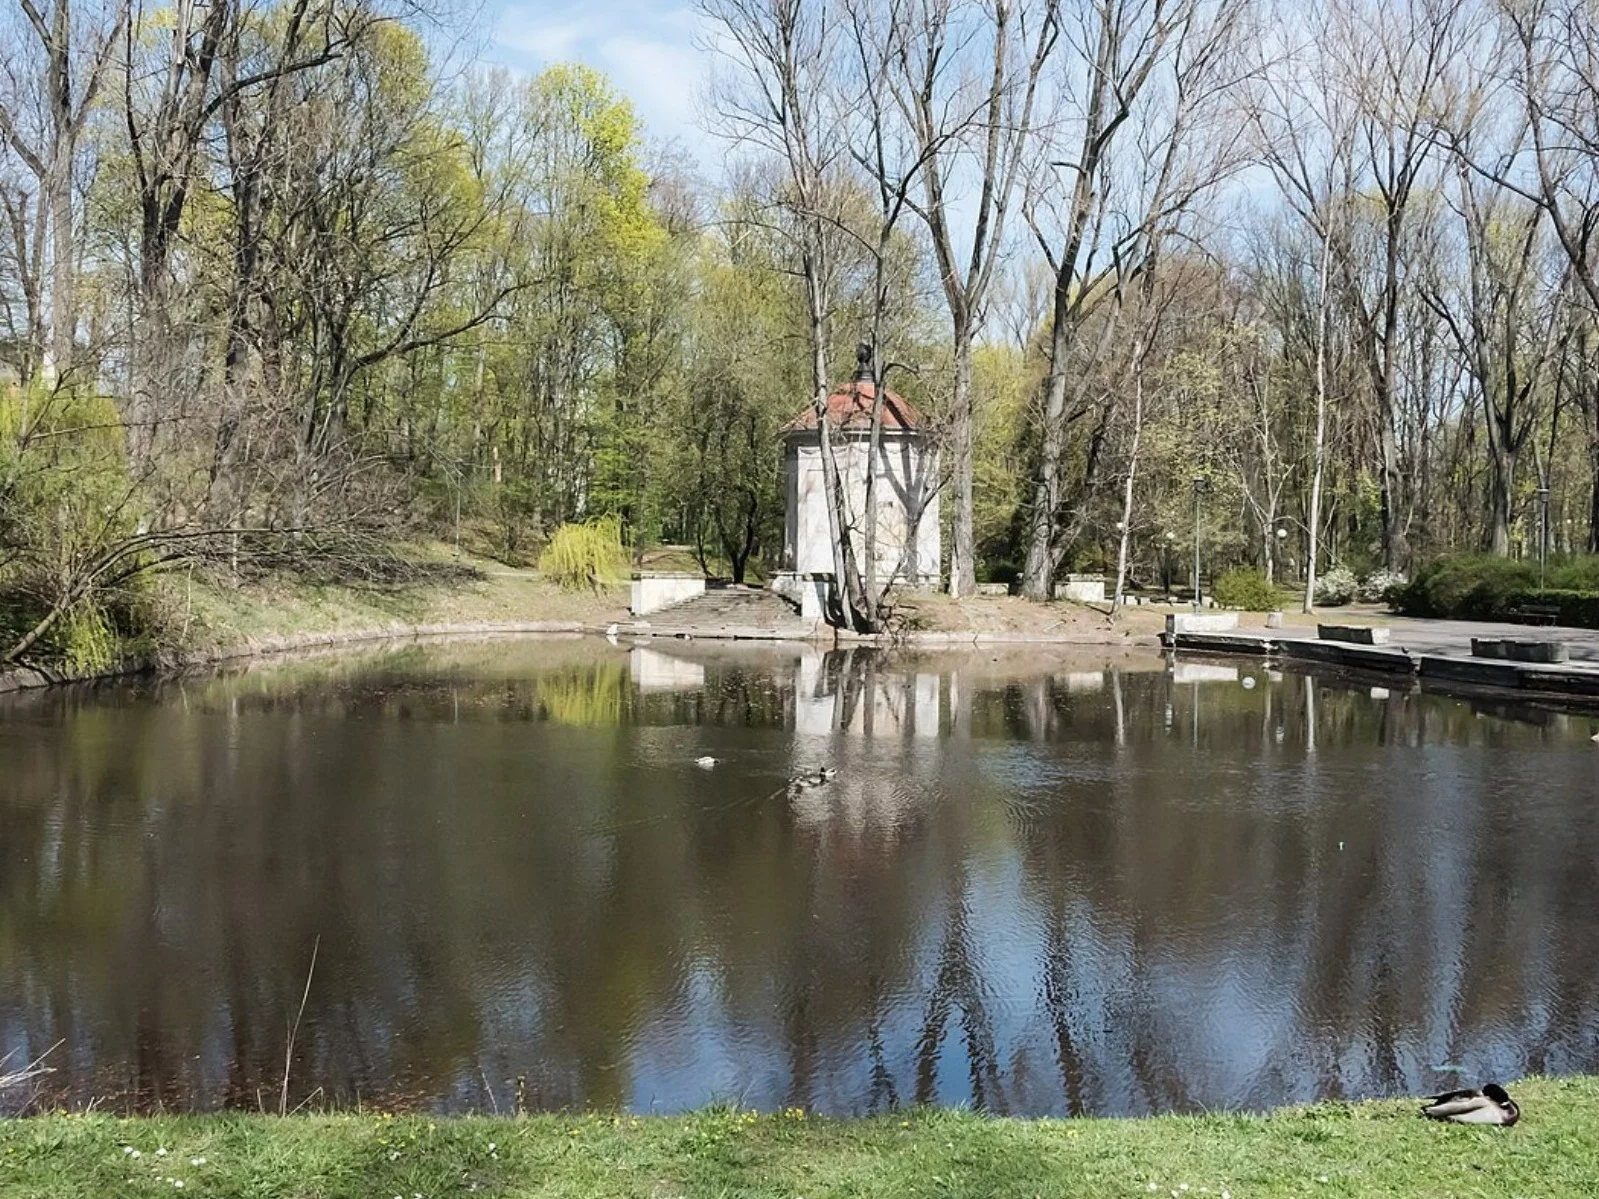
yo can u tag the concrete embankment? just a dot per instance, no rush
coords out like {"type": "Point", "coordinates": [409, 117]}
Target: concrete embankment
{"type": "Point", "coordinates": [1432, 671]}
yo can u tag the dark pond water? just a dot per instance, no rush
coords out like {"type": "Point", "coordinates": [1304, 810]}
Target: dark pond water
{"type": "Point", "coordinates": [1039, 884]}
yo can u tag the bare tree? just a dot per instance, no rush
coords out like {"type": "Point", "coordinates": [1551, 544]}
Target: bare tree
{"type": "Point", "coordinates": [1396, 61]}
{"type": "Point", "coordinates": [976, 130]}
{"type": "Point", "coordinates": [1304, 119]}
{"type": "Point", "coordinates": [1506, 324]}
{"type": "Point", "coordinates": [170, 97]}
{"type": "Point", "coordinates": [1552, 66]}
{"type": "Point", "coordinates": [782, 100]}
{"type": "Point", "coordinates": [58, 96]}
{"type": "Point", "coordinates": [1120, 59]}
{"type": "Point", "coordinates": [1196, 73]}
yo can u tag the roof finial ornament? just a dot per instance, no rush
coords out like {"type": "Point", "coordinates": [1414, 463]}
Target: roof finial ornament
{"type": "Point", "coordinates": [863, 362]}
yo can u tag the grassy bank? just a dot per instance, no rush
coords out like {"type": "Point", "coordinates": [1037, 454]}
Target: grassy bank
{"type": "Point", "coordinates": [208, 617]}
{"type": "Point", "coordinates": [193, 617]}
{"type": "Point", "coordinates": [1381, 1148]}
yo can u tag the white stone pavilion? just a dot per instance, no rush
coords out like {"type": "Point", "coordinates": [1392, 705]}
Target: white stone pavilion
{"type": "Point", "coordinates": [907, 492]}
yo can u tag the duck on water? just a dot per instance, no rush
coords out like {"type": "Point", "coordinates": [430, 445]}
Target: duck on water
{"type": "Point", "coordinates": [812, 778]}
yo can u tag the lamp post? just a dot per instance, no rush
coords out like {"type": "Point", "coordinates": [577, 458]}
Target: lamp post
{"type": "Point", "coordinates": [1282, 542]}
{"type": "Point", "coordinates": [1201, 486]}
{"type": "Point", "coordinates": [1543, 534]}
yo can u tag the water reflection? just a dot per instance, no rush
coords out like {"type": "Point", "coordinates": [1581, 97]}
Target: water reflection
{"type": "Point", "coordinates": [1040, 883]}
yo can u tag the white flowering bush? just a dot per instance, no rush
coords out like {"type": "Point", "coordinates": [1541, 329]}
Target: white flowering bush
{"type": "Point", "coordinates": [1380, 586]}
{"type": "Point", "coordinates": [1337, 586]}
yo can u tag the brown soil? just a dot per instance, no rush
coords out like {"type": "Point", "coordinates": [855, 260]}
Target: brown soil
{"type": "Point", "coordinates": [1012, 616]}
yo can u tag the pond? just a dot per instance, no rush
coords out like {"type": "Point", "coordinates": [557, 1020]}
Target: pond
{"type": "Point", "coordinates": [1051, 882]}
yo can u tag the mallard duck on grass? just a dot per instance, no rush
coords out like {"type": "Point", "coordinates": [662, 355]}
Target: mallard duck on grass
{"type": "Point", "coordinates": [1491, 1105]}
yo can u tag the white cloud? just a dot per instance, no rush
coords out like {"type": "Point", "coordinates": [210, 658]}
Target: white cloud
{"type": "Point", "coordinates": [661, 79]}
{"type": "Point", "coordinates": [648, 50]}
{"type": "Point", "coordinates": [520, 32]}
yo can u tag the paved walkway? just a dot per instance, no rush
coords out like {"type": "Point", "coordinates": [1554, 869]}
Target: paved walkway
{"type": "Point", "coordinates": [1439, 651]}
{"type": "Point", "coordinates": [1453, 637]}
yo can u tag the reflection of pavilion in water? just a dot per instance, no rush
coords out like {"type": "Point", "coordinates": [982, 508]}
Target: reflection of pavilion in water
{"type": "Point", "coordinates": [654, 671]}
{"type": "Point", "coordinates": [884, 725]}
{"type": "Point", "coordinates": [878, 722]}
{"type": "Point", "coordinates": [847, 691]}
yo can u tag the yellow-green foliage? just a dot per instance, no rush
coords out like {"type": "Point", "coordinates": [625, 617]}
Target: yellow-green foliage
{"type": "Point", "coordinates": [1246, 587]}
{"type": "Point", "coordinates": [63, 478]}
{"type": "Point", "coordinates": [88, 641]}
{"type": "Point", "coordinates": [586, 555]}
{"type": "Point", "coordinates": [64, 497]}
{"type": "Point", "coordinates": [586, 696]}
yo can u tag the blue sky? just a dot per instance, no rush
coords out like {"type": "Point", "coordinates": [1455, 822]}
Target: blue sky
{"type": "Point", "coordinates": [646, 47]}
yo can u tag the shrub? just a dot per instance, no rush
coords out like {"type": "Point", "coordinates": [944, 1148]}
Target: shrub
{"type": "Point", "coordinates": [1579, 573]}
{"type": "Point", "coordinates": [1245, 587]}
{"type": "Point", "coordinates": [586, 555]}
{"type": "Point", "coordinates": [1381, 586]}
{"type": "Point", "coordinates": [1466, 587]}
{"type": "Point", "coordinates": [1484, 587]}
{"type": "Point", "coordinates": [1337, 587]}
{"type": "Point", "coordinates": [1578, 609]}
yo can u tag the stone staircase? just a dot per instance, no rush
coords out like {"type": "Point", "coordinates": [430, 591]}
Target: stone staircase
{"type": "Point", "coordinates": [737, 612]}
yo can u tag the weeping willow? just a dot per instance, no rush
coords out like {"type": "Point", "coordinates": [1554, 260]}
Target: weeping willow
{"type": "Point", "coordinates": [586, 555]}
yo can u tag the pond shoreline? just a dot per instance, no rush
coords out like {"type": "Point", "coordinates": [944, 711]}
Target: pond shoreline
{"type": "Point", "coordinates": [1444, 671]}
{"type": "Point", "coordinates": [29, 678]}
{"type": "Point", "coordinates": [1373, 1148]}
{"type": "Point", "coordinates": [176, 662]}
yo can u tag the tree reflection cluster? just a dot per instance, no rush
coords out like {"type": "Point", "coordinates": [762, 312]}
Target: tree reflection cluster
{"type": "Point", "coordinates": [1037, 885]}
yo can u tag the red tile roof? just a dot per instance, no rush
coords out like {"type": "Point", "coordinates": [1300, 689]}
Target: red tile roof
{"type": "Point", "coordinates": [850, 407]}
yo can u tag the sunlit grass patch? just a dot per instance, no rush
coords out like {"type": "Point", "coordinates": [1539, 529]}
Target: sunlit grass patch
{"type": "Point", "coordinates": [1380, 1148]}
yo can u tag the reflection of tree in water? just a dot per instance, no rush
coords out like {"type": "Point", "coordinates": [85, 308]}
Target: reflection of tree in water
{"type": "Point", "coordinates": [587, 696]}
{"type": "Point", "coordinates": [499, 895]}
{"type": "Point", "coordinates": [1060, 1000]}
{"type": "Point", "coordinates": [956, 984]}
{"type": "Point", "coordinates": [884, 1092]}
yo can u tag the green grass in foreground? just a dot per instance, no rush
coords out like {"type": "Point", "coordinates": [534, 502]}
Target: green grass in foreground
{"type": "Point", "coordinates": [1380, 1148]}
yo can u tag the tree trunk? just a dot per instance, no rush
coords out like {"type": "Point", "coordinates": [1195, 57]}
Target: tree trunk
{"type": "Point", "coordinates": [1132, 474]}
{"type": "Point", "coordinates": [1393, 537]}
{"type": "Point", "coordinates": [1313, 520]}
{"type": "Point", "coordinates": [1501, 478]}
{"type": "Point", "coordinates": [1268, 546]}
{"type": "Point", "coordinates": [1038, 581]}
{"type": "Point", "coordinates": [846, 585]}
{"type": "Point", "coordinates": [63, 321]}
{"type": "Point", "coordinates": [1593, 504]}
{"type": "Point", "coordinates": [58, 186]}
{"type": "Point", "coordinates": [962, 559]}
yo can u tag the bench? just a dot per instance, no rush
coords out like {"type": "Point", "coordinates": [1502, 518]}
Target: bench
{"type": "Point", "coordinates": [1535, 613]}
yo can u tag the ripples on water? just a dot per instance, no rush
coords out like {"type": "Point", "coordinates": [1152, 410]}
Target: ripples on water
{"type": "Point", "coordinates": [1039, 884]}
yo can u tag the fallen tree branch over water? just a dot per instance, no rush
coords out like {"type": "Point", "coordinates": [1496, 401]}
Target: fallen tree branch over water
{"type": "Point", "coordinates": [34, 1069]}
